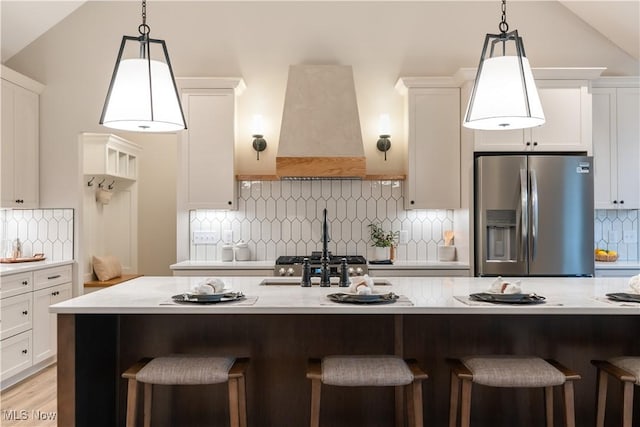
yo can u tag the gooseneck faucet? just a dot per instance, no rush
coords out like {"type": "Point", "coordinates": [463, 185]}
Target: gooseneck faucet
{"type": "Point", "coordinates": [324, 261]}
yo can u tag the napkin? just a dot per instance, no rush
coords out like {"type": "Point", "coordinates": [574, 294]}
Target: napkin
{"type": "Point", "coordinates": [500, 286]}
{"type": "Point", "coordinates": [634, 284]}
{"type": "Point", "coordinates": [361, 285]}
{"type": "Point", "coordinates": [208, 286]}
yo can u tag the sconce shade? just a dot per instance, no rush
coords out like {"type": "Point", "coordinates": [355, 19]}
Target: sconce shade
{"type": "Point", "coordinates": [143, 96]}
{"type": "Point", "coordinates": [504, 95]}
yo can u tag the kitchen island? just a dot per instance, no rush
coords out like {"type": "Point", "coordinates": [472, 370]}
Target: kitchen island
{"type": "Point", "coordinates": [279, 326]}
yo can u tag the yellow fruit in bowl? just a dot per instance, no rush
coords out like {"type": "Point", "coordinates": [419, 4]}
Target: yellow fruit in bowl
{"type": "Point", "coordinates": [612, 253]}
{"type": "Point", "coordinates": [601, 252]}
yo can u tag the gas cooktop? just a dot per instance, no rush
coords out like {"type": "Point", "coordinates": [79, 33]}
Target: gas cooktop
{"type": "Point", "coordinates": [316, 257]}
{"type": "Point", "coordinates": [292, 265]}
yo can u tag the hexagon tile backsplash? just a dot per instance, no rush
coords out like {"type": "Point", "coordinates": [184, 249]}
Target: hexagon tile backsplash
{"type": "Point", "coordinates": [285, 218]}
{"type": "Point", "coordinates": [48, 231]}
{"type": "Point", "coordinates": [609, 232]}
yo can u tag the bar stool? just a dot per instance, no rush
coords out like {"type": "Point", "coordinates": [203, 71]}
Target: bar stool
{"type": "Point", "coordinates": [510, 371]}
{"type": "Point", "coordinates": [627, 371]}
{"type": "Point", "coordinates": [362, 371]}
{"type": "Point", "coordinates": [187, 370]}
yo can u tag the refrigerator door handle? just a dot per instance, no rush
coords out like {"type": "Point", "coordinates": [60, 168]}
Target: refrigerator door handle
{"type": "Point", "coordinates": [534, 214]}
{"type": "Point", "coordinates": [524, 214]}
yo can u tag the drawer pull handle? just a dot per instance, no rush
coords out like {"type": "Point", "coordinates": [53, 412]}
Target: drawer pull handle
{"type": "Point", "coordinates": [24, 351]}
{"type": "Point", "coordinates": [55, 293]}
{"type": "Point", "coordinates": [53, 277]}
{"type": "Point", "coordinates": [25, 283]}
{"type": "Point", "coordinates": [24, 313]}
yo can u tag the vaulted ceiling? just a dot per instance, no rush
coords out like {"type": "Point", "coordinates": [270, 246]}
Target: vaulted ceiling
{"type": "Point", "coordinates": [24, 21]}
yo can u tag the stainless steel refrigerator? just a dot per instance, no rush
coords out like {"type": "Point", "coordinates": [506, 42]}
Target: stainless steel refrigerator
{"type": "Point", "coordinates": [534, 215]}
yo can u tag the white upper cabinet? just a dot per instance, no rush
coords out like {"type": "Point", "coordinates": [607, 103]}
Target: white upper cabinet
{"type": "Point", "coordinates": [20, 141]}
{"type": "Point", "coordinates": [567, 109]}
{"type": "Point", "coordinates": [433, 155]}
{"type": "Point", "coordinates": [616, 143]}
{"type": "Point", "coordinates": [206, 148]}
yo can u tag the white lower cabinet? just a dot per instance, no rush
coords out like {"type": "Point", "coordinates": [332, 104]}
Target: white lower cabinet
{"type": "Point", "coordinates": [27, 330]}
{"type": "Point", "coordinates": [16, 354]}
{"type": "Point", "coordinates": [44, 323]}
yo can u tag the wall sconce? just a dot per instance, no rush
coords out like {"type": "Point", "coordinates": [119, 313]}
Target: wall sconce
{"type": "Point", "coordinates": [384, 129]}
{"type": "Point", "coordinates": [257, 129]}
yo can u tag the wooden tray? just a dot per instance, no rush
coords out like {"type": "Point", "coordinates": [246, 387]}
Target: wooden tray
{"type": "Point", "coordinates": [36, 257]}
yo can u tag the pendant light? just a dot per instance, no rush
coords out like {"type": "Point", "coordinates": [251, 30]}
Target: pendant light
{"type": "Point", "coordinates": [504, 93]}
{"type": "Point", "coordinates": [143, 96]}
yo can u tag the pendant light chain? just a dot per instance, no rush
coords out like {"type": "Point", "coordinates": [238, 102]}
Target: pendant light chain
{"type": "Point", "coordinates": [144, 29]}
{"type": "Point", "coordinates": [503, 26]}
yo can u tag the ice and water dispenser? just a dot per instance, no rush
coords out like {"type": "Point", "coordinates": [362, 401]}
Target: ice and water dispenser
{"type": "Point", "coordinates": [501, 235]}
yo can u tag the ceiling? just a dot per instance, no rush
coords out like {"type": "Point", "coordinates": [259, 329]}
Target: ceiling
{"type": "Point", "coordinates": [24, 21]}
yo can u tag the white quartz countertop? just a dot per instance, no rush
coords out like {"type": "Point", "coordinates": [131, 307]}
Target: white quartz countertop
{"type": "Point", "coordinates": [426, 295]}
{"type": "Point", "coordinates": [24, 267]}
{"type": "Point", "coordinates": [261, 265]}
{"type": "Point", "coordinates": [618, 265]}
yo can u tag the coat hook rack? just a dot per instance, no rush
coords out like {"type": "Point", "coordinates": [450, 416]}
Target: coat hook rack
{"type": "Point", "coordinates": [90, 183]}
{"type": "Point", "coordinates": [101, 182]}
{"type": "Point", "coordinates": [110, 186]}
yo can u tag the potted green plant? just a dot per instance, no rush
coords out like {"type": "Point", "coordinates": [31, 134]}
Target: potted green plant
{"type": "Point", "coordinates": [382, 242]}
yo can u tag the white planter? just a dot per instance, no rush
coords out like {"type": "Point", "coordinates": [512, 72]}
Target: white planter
{"type": "Point", "coordinates": [446, 253]}
{"type": "Point", "coordinates": [381, 254]}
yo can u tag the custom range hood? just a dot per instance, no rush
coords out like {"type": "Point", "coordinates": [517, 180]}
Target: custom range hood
{"type": "Point", "coordinates": [320, 135]}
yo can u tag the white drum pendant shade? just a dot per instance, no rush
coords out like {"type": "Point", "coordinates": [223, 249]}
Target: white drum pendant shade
{"type": "Point", "coordinates": [501, 96]}
{"type": "Point", "coordinates": [136, 105]}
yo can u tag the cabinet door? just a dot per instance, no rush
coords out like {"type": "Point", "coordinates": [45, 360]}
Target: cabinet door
{"type": "Point", "coordinates": [605, 162]}
{"type": "Point", "coordinates": [501, 140]}
{"type": "Point", "coordinates": [17, 315]}
{"type": "Point", "coordinates": [628, 146]}
{"type": "Point", "coordinates": [20, 139]}
{"type": "Point", "coordinates": [207, 149]}
{"type": "Point", "coordinates": [433, 178]}
{"type": "Point", "coordinates": [44, 323]}
{"type": "Point", "coordinates": [15, 355]}
{"type": "Point", "coordinates": [562, 131]}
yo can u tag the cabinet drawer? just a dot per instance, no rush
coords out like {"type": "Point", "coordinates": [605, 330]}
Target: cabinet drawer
{"type": "Point", "coordinates": [17, 315]}
{"type": "Point", "coordinates": [16, 354]}
{"type": "Point", "coordinates": [51, 277]}
{"type": "Point", "coordinates": [16, 284]}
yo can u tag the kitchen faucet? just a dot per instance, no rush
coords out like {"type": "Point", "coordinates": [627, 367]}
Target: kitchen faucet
{"type": "Point", "coordinates": [324, 261]}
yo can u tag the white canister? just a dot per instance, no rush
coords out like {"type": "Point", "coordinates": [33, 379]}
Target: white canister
{"type": "Point", "coordinates": [226, 253]}
{"type": "Point", "coordinates": [243, 253]}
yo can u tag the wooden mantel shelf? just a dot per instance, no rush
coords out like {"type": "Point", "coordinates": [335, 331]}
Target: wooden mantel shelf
{"type": "Point", "coordinates": [277, 178]}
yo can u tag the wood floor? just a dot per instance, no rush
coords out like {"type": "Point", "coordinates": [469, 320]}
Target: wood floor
{"type": "Point", "coordinates": [31, 402]}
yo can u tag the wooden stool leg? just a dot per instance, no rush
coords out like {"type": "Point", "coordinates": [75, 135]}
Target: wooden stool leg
{"type": "Point", "coordinates": [411, 416]}
{"type": "Point", "coordinates": [242, 391]}
{"type": "Point", "coordinates": [465, 414]}
{"type": "Point", "coordinates": [234, 408]}
{"type": "Point", "coordinates": [453, 400]}
{"type": "Point", "coordinates": [548, 405]}
{"type": "Point", "coordinates": [132, 402]}
{"type": "Point", "coordinates": [399, 403]}
{"type": "Point", "coordinates": [414, 404]}
{"type": "Point", "coordinates": [569, 410]}
{"type": "Point", "coordinates": [601, 390]}
{"type": "Point", "coordinates": [148, 395]}
{"type": "Point", "coordinates": [627, 403]}
{"type": "Point", "coordinates": [316, 384]}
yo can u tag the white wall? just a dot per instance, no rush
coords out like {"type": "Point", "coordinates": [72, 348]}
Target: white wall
{"type": "Point", "coordinates": [258, 41]}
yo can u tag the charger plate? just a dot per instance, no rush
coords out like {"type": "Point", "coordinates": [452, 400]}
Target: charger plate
{"type": "Point", "coordinates": [508, 298]}
{"type": "Point", "coordinates": [208, 299]}
{"type": "Point", "coordinates": [342, 297]}
{"type": "Point", "coordinates": [624, 297]}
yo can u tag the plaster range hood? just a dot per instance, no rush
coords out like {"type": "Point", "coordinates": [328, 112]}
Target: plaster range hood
{"type": "Point", "coordinates": [320, 135]}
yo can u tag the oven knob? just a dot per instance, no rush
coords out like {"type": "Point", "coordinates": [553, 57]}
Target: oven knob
{"type": "Point", "coordinates": [350, 270]}
{"type": "Point", "coordinates": [359, 271]}
{"type": "Point", "coordinates": [289, 271]}
{"type": "Point", "coordinates": [281, 272]}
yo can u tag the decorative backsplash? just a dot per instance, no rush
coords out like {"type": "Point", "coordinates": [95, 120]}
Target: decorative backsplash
{"type": "Point", "coordinates": [617, 221]}
{"type": "Point", "coordinates": [285, 218]}
{"type": "Point", "coordinates": [48, 231]}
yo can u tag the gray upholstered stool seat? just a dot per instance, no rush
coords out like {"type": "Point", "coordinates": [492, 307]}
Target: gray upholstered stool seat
{"type": "Point", "coordinates": [511, 372]}
{"type": "Point", "coordinates": [625, 369]}
{"type": "Point", "coordinates": [187, 370]}
{"type": "Point", "coordinates": [367, 371]}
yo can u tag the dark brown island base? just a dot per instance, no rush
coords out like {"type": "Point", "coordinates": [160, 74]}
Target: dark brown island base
{"type": "Point", "coordinates": [101, 334]}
